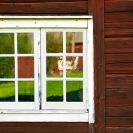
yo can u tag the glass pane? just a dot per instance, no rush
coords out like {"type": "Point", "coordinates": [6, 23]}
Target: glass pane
{"type": "Point", "coordinates": [25, 43]}
{"type": "Point", "coordinates": [6, 43]}
{"type": "Point", "coordinates": [54, 91]}
{"type": "Point", "coordinates": [7, 91]}
{"type": "Point", "coordinates": [25, 67]}
{"type": "Point", "coordinates": [7, 67]}
{"type": "Point", "coordinates": [54, 42]}
{"type": "Point", "coordinates": [26, 91]}
{"type": "Point", "coordinates": [74, 91]}
{"type": "Point", "coordinates": [74, 42]}
{"type": "Point", "coordinates": [74, 66]}
{"type": "Point", "coordinates": [54, 66]}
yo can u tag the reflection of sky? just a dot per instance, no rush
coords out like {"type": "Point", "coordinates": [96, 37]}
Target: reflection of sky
{"type": "Point", "coordinates": [78, 37]}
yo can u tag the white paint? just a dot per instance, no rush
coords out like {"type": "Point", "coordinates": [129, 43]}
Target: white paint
{"type": "Point", "coordinates": [52, 115]}
{"type": "Point", "coordinates": [90, 70]}
{"type": "Point", "coordinates": [43, 117]}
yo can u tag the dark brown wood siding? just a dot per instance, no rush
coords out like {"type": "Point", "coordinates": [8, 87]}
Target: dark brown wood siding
{"type": "Point", "coordinates": [42, 7]}
{"type": "Point", "coordinates": [119, 66]}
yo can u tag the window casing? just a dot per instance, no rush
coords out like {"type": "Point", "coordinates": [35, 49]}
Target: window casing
{"type": "Point", "coordinates": [40, 102]}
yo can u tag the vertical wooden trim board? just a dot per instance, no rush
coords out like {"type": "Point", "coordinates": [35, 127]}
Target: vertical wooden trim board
{"type": "Point", "coordinates": [99, 65]}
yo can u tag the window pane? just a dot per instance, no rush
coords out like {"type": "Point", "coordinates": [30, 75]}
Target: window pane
{"type": "Point", "coordinates": [74, 66]}
{"type": "Point", "coordinates": [54, 91]}
{"type": "Point", "coordinates": [74, 91]}
{"type": "Point", "coordinates": [7, 67]}
{"type": "Point", "coordinates": [25, 67]}
{"type": "Point", "coordinates": [54, 66]}
{"type": "Point", "coordinates": [25, 43]}
{"type": "Point", "coordinates": [74, 42]}
{"type": "Point", "coordinates": [54, 42]}
{"type": "Point", "coordinates": [6, 43]}
{"type": "Point", "coordinates": [26, 91]}
{"type": "Point", "coordinates": [7, 91]}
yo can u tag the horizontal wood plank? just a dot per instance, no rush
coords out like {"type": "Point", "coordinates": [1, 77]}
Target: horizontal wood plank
{"type": "Point", "coordinates": [119, 101]}
{"type": "Point", "coordinates": [119, 129]}
{"type": "Point", "coordinates": [119, 45]}
{"type": "Point", "coordinates": [78, 7]}
{"type": "Point", "coordinates": [32, 1]}
{"type": "Point", "coordinates": [119, 121]}
{"type": "Point", "coordinates": [44, 129]}
{"type": "Point", "coordinates": [43, 124]}
{"type": "Point", "coordinates": [119, 112]}
{"type": "Point", "coordinates": [118, 6]}
{"type": "Point", "coordinates": [115, 81]}
{"type": "Point", "coordinates": [118, 17]}
{"type": "Point", "coordinates": [117, 33]}
{"type": "Point", "coordinates": [119, 68]}
{"type": "Point", "coordinates": [119, 93]}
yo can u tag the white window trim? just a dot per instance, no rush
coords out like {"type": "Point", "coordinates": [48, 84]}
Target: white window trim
{"type": "Point", "coordinates": [54, 115]}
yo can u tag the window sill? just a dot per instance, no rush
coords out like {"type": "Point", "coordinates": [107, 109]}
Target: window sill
{"type": "Point", "coordinates": [43, 116]}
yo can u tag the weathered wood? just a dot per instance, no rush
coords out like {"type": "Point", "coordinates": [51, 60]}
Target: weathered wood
{"type": "Point", "coordinates": [32, 1]}
{"type": "Point", "coordinates": [119, 68]}
{"type": "Point", "coordinates": [119, 58]}
{"type": "Point", "coordinates": [119, 25]}
{"type": "Point", "coordinates": [35, 127]}
{"type": "Point", "coordinates": [119, 121]}
{"type": "Point", "coordinates": [119, 112]}
{"type": "Point", "coordinates": [79, 7]}
{"type": "Point", "coordinates": [115, 33]}
{"type": "Point", "coordinates": [118, 6]}
{"type": "Point", "coordinates": [43, 130]}
{"type": "Point", "coordinates": [118, 17]}
{"type": "Point", "coordinates": [99, 65]}
{"type": "Point", "coordinates": [119, 45]}
{"type": "Point", "coordinates": [119, 129]}
{"type": "Point", "coordinates": [44, 124]}
{"type": "Point", "coordinates": [115, 81]}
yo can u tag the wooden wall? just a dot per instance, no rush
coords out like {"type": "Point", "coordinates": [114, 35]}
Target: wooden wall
{"type": "Point", "coordinates": [113, 61]}
{"type": "Point", "coordinates": [119, 66]}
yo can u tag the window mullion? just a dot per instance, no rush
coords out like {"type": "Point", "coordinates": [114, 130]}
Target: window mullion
{"type": "Point", "coordinates": [16, 68]}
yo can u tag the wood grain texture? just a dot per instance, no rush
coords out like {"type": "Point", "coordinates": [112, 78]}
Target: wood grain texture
{"type": "Point", "coordinates": [119, 17]}
{"type": "Point", "coordinates": [78, 7]}
{"type": "Point", "coordinates": [119, 6]}
{"type": "Point", "coordinates": [119, 121]}
{"type": "Point", "coordinates": [36, 1]}
{"type": "Point", "coordinates": [43, 127]}
{"type": "Point", "coordinates": [119, 45]}
{"type": "Point", "coordinates": [119, 111]}
{"type": "Point", "coordinates": [99, 65]}
{"type": "Point", "coordinates": [119, 129]}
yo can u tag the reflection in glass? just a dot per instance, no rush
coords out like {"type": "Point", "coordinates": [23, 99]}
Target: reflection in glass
{"type": "Point", "coordinates": [74, 42]}
{"type": "Point", "coordinates": [54, 91]}
{"type": "Point", "coordinates": [25, 67]}
{"type": "Point", "coordinates": [7, 67]}
{"type": "Point", "coordinates": [25, 43]}
{"type": "Point", "coordinates": [6, 43]}
{"type": "Point", "coordinates": [26, 91]}
{"type": "Point", "coordinates": [74, 91]}
{"type": "Point", "coordinates": [74, 66]}
{"type": "Point", "coordinates": [54, 66]}
{"type": "Point", "coordinates": [7, 91]}
{"type": "Point", "coordinates": [54, 42]}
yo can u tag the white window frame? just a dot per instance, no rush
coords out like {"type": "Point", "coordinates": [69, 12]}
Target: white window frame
{"type": "Point", "coordinates": [53, 115]}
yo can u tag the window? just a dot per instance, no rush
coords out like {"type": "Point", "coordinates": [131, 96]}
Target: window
{"type": "Point", "coordinates": [46, 66]}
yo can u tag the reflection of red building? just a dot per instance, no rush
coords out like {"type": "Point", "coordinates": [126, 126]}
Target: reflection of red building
{"type": "Point", "coordinates": [25, 67]}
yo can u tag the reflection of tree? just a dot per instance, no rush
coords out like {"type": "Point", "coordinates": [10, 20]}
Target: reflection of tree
{"type": "Point", "coordinates": [54, 44]}
{"type": "Point", "coordinates": [7, 47]}
{"type": "Point", "coordinates": [25, 42]}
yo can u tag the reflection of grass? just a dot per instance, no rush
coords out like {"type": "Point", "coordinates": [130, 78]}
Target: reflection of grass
{"type": "Point", "coordinates": [26, 88]}
{"type": "Point", "coordinates": [7, 89]}
{"type": "Point", "coordinates": [77, 74]}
